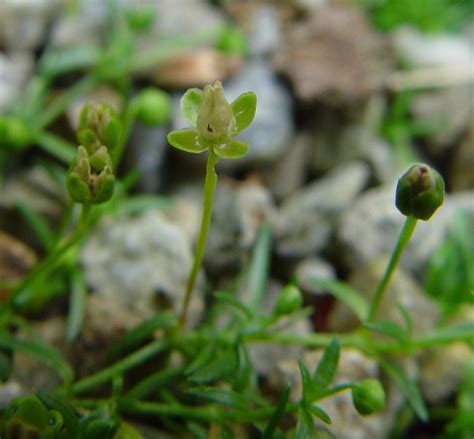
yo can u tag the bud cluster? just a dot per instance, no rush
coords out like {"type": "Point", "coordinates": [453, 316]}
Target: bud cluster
{"type": "Point", "coordinates": [90, 179]}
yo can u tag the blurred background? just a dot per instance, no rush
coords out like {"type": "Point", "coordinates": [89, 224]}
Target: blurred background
{"type": "Point", "coordinates": [349, 94]}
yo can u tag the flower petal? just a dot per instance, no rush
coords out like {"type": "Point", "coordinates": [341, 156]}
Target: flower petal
{"type": "Point", "coordinates": [190, 103]}
{"type": "Point", "coordinates": [244, 108]}
{"type": "Point", "coordinates": [234, 149]}
{"type": "Point", "coordinates": [186, 140]}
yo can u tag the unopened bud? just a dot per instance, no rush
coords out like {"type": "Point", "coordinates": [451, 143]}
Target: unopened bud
{"type": "Point", "coordinates": [215, 119]}
{"type": "Point", "coordinates": [153, 106]}
{"type": "Point", "coordinates": [90, 179]}
{"type": "Point", "coordinates": [289, 300]}
{"type": "Point", "coordinates": [98, 125]}
{"type": "Point", "coordinates": [368, 396]}
{"type": "Point", "coordinates": [420, 191]}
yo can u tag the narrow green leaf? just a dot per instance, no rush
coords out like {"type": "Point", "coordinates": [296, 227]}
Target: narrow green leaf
{"type": "Point", "coordinates": [447, 334]}
{"type": "Point", "coordinates": [77, 306]}
{"type": "Point", "coordinates": [305, 425]}
{"type": "Point", "coordinates": [234, 149]}
{"type": "Point", "coordinates": [190, 103]}
{"type": "Point", "coordinates": [346, 294]}
{"type": "Point", "coordinates": [75, 58]}
{"type": "Point", "coordinates": [56, 146]}
{"type": "Point", "coordinates": [221, 395]}
{"type": "Point", "coordinates": [234, 301]}
{"type": "Point", "coordinates": [406, 319]}
{"type": "Point", "coordinates": [140, 334]}
{"type": "Point", "coordinates": [127, 431]}
{"type": "Point", "coordinates": [224, 363]}
{"type": "Point", "coordinates": [407, 386]}
{"type": "Point", "coordinates": [310, 388]}
{"type": "Point", "coordinates": [38, 224]}
{"type": "Point", "coordinates": [259, 266]}
{"type": "Point", "coordinates": [204, 357]}
{"type": "Point", "coordinates": [139, 203]}
{"type": "Point", "coordinates": [277, 414]}
{"type": "Point", "coordinates": [319, 412]}
{"type": "Point", "coordinates": [327, 367]}
{"type": "Point", "coordinates": [186, 140]}
{"type": "Point", "coordinates": [244, 108]}
{"type": "Point", "coordinates": [388, 328]}
{"type": "Point", "coordinates": [47, 354]}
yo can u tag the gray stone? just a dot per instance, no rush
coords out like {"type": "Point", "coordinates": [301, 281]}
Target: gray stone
{"type": "Point", "coordinates": [146, 152]}
{"type": "Point", "coordinates": [307, 218]}
{"type": "Point", "coordinates": [370, 227]}
{"type": "Point", "coordinates": [142, 262]}
{"type": "Point", "coordinates": [428, 50]}
{"type": "Point", "coordinates": [289, 172]}
{"type": "Point", "coordinates": [313, 268]}
{"type": "Point", "coordinates": [24, 23]}
{"type": "Point", "coordinates": [15, 70]}
{"type": "Point", "coordinates": [265, 30]}
{"type": "Point", "coordinates": [272, 129]}
{"type": "Point", "coordinates": [460, 170]}
{"type": "Point", "coordinates": [449, 111]}
{"type": "Point", "coordinates": [239, 211]}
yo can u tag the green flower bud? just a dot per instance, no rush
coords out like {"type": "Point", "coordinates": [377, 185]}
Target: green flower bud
{"type": "Point", "coordinates": [231, 40]}
{"type": "Point", "coordinates": [420, 191]}
{"type": "Point", "coordinates": [141, 19]}
{"type": "Point", "coordinates": [26, 417]}
{"type": "Point", "coordinates": [98, 125]}
{"type": "Point", "coordinates": [152, 106]}
{"type": "Point", "coordinates": [289, 300]}
{"type": "Point", "coordinates": [368, 396]}
{"type": "Point", "coordinates": [14, 133]}
{"type": "Point", "coordinates": [215, 118]}
{"type": "Point", "coordinates": [90, 178]}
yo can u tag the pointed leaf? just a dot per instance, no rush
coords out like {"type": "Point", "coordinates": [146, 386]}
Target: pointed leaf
{"type": "Point", "coordinates": [320, 413]}
{"type": "Point", "coordinates": [221, 395]}
{"type": "Point", "coordinates": [190, 103]}
{"type": "Point", "coordinates": [328, 365]}
{"type": "Point", "coordinates": [310, 390]}
{"type": "Point", "coordinates": [46, 353]}
{"type": "Point", "coordinates": [234, 149]}
{"type": "Point", "coordinates": [277, 414]}
{"type": "Point", "coordinates": [346, 294]}
{"type": "Point", "coordinates": [186, 140]}
{"type": "Point", "coordinates": [224, 363]}
{"type": "Point", "coordinates": [388, 328]}
{"type": "Point", "coordinates": [244, 108]}
{"type": "Point", "coordinates": [408, 387]}
{"type": "Point", "coordinates": [304, 426]}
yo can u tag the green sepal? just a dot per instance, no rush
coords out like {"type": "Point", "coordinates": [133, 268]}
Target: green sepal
{"type": "Point", "coordinates": [244, 108]}
{"type": "Point", "coordinates": [187, 140]}
{"type": "Point", "coordinates": [289, 300]}
{"type": "Point", "coordinates": [77, 188]}
{"type": "Point", "coordinates": [233, 149]}
{"type": "Point", "coordinates": [106, 185]}
{"type": "Point", "coordinates": [190, 103]}
{"type": "Point", "coordinates": [87, 138]}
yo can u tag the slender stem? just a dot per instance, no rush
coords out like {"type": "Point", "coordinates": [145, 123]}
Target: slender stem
{"type": "Point", "coordinates": [403, 239]}
{"type": "Point", "coordinates": [49, 263]}
{"type": "Point", "coordinates": [129, 362]}
{"type": "Point", "coordinates": [209, 191]}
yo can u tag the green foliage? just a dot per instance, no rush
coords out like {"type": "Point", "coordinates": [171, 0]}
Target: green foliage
{"type": "Point", "coordinates": [450, 274]}
{"type": "Point", "coordinates": [427, 15]}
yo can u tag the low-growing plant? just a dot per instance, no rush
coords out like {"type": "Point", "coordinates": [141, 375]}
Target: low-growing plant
{"type": "Point", "coordinates": [204, 382]}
